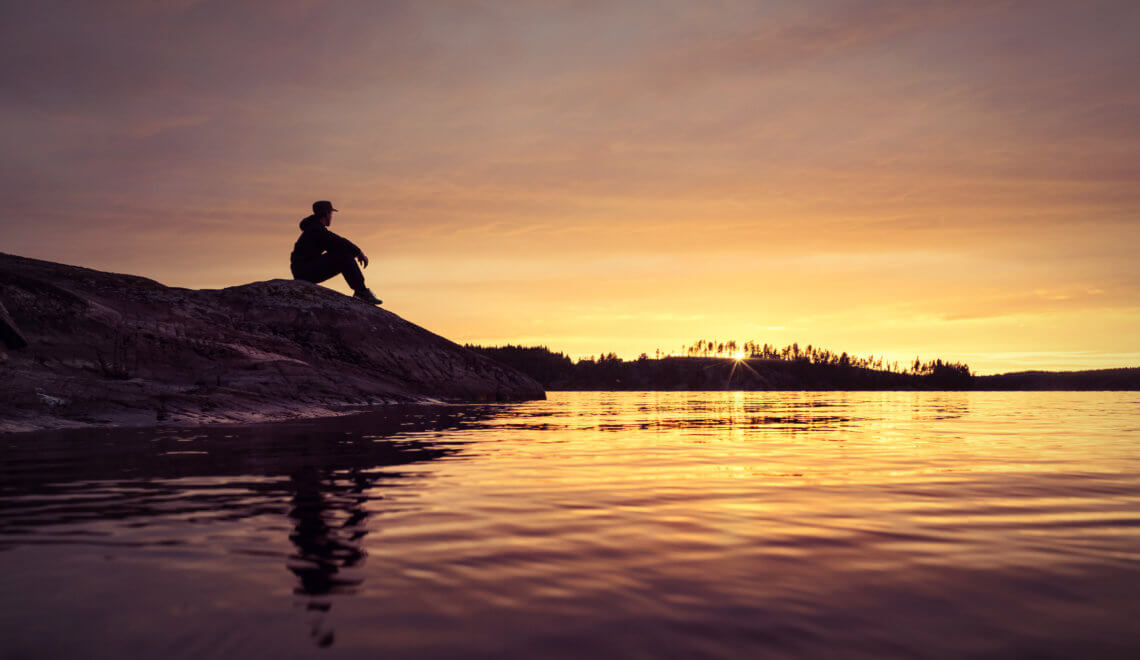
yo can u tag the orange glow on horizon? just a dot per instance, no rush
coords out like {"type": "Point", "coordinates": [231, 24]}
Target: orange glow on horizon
{"type": "Point", "coordinates": [940, 180]}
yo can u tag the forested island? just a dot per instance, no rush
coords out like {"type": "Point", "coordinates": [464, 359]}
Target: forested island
{"type": "Point", "coordinates": [708, 365]}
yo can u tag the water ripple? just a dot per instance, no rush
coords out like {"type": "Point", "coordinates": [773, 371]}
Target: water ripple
{"type": "Point", "coordinates": [607, 524]}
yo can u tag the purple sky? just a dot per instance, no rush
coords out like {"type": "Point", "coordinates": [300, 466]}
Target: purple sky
{"type": "Point", "coordinates": [954, 179]}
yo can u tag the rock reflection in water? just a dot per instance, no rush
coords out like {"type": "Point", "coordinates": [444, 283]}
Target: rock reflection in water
{"type": "Point", "coordinates": [605, 525]}
{"type": "Point", "coordinates": [327, 471]}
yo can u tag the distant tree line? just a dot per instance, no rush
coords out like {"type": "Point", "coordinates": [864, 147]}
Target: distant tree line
{"type": "Point", "coordinates": [708, 364]}
{"type": "Point", "coordinates": [538, 362]}
{"type": "Point", "coordinates": [815, 355]}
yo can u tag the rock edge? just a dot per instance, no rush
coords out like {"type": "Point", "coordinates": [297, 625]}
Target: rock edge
{"type": "Point", "coordinates": [104, 349]}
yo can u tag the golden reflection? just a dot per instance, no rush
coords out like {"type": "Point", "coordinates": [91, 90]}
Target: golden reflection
{"type": "Point", "coordinates": [717, 510]}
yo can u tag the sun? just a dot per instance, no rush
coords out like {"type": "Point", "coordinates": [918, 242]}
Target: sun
{"type": "Point", "coordinates": [738, 356]}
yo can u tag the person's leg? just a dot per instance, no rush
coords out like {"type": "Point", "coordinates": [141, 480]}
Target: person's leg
{"type": "Point", "coordinates": [330, 265]}
{"type": "Point", "coordinates": [352, 274]}
{"type": "Point", "coordinates": [316, 271]}
{"type": "Point", "coordinates": [345, 261]}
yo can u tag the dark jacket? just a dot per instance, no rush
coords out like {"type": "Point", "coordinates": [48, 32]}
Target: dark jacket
{"type": "Point", "coordinates": [316, 239]}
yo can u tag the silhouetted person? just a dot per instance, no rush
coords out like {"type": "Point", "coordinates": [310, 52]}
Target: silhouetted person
{"type": "Point", "coordinates": [322, 549]}
{"type": "Point", "coordinates": [320, 254]}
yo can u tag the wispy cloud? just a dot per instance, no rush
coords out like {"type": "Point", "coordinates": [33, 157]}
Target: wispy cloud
{"type": "Point", "coordinates": [747, 164]}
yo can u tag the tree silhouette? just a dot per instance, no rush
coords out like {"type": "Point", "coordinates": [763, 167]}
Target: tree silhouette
{"type": "Point", "coordinates": [811, 366]}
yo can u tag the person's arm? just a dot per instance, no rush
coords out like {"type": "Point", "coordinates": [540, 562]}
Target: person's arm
{"type": "Point", "coordinates": [336, 243]}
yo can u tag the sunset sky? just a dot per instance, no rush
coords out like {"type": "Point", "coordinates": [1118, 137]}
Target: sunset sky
{"type": "Point", "coordinates": [944, 179]}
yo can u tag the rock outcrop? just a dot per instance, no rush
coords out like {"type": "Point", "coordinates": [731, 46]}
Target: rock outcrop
{"type": "Point", "coordinates": [10, 335]}
{"type": "Point", "coordinates": [110, 349]}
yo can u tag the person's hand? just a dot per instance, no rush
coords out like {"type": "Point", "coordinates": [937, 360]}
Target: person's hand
{"type": "Point", "coordinates": [363, 260]}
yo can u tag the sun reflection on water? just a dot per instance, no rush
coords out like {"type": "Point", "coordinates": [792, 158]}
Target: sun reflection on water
{"type": "Point", "coordinates": [613, 524]}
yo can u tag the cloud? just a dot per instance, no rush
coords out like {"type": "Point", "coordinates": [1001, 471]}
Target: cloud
{"type": "Point", "coordinates": [948, 158]}
{"type": "Point", "coordinates": [1043, 302]}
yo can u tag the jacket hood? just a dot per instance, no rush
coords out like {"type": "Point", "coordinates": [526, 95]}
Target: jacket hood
{"type": "Point", "coordinates": [310, 222]}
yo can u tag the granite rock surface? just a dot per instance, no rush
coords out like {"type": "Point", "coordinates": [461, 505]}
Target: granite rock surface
{"type": "Point", "coordinates": [82, 347]}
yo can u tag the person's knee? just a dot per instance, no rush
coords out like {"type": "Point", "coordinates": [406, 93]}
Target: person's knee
{"type": "Point", "coordinates": [341, 252]}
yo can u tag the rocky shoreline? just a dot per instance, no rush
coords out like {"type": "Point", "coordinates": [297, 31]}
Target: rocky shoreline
{"type": "Point", "coordinates": [81, 347]}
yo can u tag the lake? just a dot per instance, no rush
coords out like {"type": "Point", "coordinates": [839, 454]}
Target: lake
{"type": "Point", "coordinates": [597, 525]}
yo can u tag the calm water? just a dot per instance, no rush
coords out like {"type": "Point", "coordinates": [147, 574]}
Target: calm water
{"type": "Point", "coordinates": [597, 525]}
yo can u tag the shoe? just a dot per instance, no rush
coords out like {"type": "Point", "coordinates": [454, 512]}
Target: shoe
{"type": "Point", "coordinates": [366, 296]}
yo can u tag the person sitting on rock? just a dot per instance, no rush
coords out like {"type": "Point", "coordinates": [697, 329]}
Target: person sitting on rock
{"type": "Point", "coordinates": [320, 254]}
